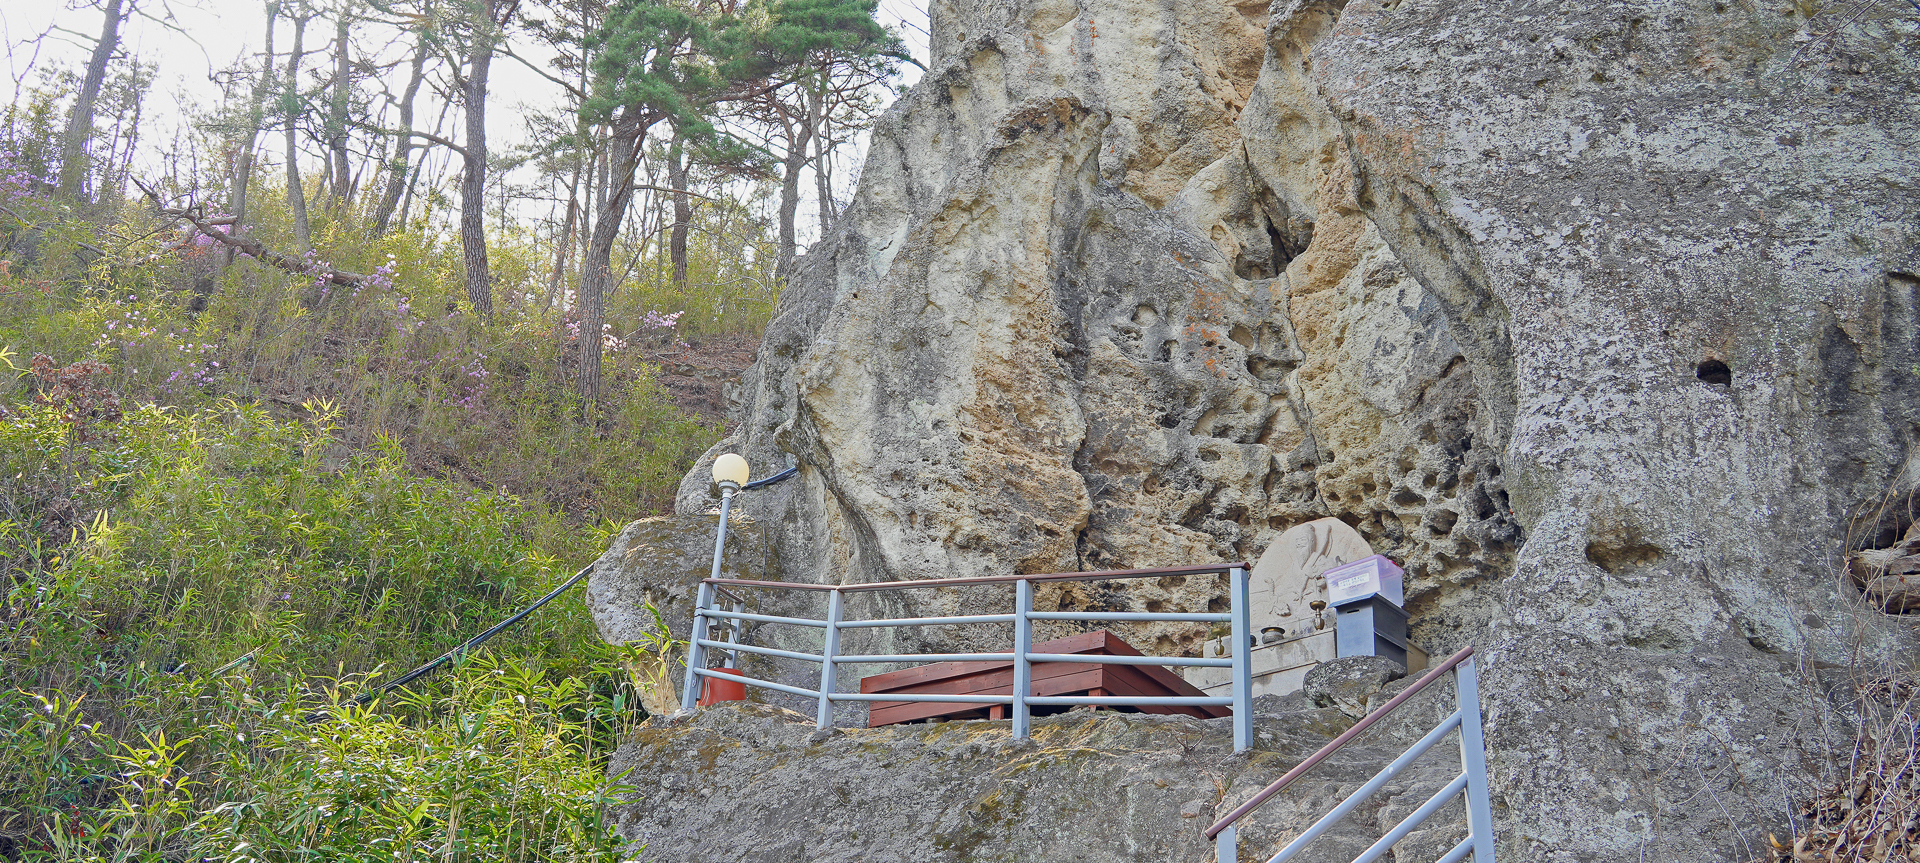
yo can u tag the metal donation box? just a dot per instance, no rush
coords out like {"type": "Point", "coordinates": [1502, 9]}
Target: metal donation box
{"type": "Point", "coordinates": [1367, 596]}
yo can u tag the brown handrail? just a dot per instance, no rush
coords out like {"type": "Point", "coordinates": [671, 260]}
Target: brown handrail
{"type": "Point", "coordinates": [1104, 575]}
{"type": "Point", "coordinates": [1344, 738]}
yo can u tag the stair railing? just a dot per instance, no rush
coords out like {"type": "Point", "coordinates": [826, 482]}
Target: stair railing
{"type": "Point", "coordinates": [1472, 779]}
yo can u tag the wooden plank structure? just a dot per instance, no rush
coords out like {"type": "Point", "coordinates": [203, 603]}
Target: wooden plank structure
{"type": "Point", "coordinates": [1049, 679]}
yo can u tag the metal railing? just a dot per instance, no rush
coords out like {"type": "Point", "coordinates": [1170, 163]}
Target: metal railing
{"type": "Point", "coordinates": [1472, 779]}
{"type": "Point", "coordinates": [707, 614]}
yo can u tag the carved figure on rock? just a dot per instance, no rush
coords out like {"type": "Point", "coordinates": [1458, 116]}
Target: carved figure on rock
{"type": "Point", "coordinates": [1288, 578]}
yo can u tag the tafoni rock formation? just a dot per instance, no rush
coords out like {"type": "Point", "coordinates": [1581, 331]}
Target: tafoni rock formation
{"type": "Point", "coordinates": [1599, 318]}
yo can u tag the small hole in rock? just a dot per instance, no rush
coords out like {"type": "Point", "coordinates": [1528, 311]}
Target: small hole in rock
{"type": "Point", "coordinates": [1714, 372]}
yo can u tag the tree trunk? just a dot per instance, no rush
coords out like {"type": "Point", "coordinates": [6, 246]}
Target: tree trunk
{"type": "Point", "coordinates": [73, 146]}
{"type": "Point", "coordinates": [473, 180]}
{"type": "Point", "coordinates": [817, 121]}
{"type": "Point", "coordinates": [791, 166]}
{"type": "Point", "coordinates": [596, 270]}
{"type": "Point", "coordinates": [290, 102]}
{"type": "Point", "coordinates": [256, 114]}
{"type": "Point", "coordinates": [563, 251]}
{"type": "Point", "coordinates": [682, 213]}
{"type": "Point", "coordinates": [337, 111]}
{"type": "Point", "coordinates": [402, 145]}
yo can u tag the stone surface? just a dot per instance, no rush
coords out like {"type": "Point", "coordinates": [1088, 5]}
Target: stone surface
{"type": "Point", "coordinates": [1600, 319]}
{"type": "Point", "coordinates": [1353, 685]}
{"type": "Point", "coordinates": [754, 783]}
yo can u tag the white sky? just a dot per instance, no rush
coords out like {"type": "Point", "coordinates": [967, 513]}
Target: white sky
{"type": "Point", "coordinates": [208, 35]}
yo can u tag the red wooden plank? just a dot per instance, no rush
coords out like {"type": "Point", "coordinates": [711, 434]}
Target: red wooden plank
{"type": "Point", "coordinates": [1049, 679]}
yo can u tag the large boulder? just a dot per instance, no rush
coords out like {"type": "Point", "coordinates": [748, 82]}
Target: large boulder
{"type": "Point", "coordinates": [754, 783]}
{"type": "Point", "coordinates": [1600, 318]}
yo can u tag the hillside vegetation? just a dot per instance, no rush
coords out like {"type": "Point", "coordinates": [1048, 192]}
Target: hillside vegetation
{"type": "Point", "coordinates": [329, 383]}
{"type": "Point", "coordinates": [204, 462]}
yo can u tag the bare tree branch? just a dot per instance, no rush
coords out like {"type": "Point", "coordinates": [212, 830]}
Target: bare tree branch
{"type": "Point", "coordinates": [196, 215]}
{"type": "Point", "coordinates": [441, 141]}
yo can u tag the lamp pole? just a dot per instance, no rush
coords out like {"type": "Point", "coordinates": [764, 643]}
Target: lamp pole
{"type": "Point", "coordinates": [730, 472]}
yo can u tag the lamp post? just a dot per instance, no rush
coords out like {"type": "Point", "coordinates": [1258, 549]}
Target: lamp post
{"type": "Point", "coordinates": [730, 472]}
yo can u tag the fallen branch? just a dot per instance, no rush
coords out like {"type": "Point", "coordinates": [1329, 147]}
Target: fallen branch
{"type": "Point", "coordinates": [196, 214]}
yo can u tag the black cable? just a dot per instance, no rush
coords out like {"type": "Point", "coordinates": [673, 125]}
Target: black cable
{"type": "Point", "coordinates": [471, 643]}
{"type": "Point", "coordinates": [444, 659]}
{"type": "Point", "coordinates": [790, 471]}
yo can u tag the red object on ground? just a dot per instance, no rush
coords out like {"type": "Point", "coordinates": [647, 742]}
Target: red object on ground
{"type": "Point", "coordinates": [1049, 678]}
{"type": "Point", "coordinates": [715, 691]}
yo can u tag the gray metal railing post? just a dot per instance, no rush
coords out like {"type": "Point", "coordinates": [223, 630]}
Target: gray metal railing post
{"type": "Point", "coordinates": [823, 716]}
{"type": "Point", "coordinates": [696, 654]}
{"type": "Point", "coordinates": [1242, 661]}
{"type": "Point", "coordinates": [733, 633]}
{"type": "Point", "coordinates": [1473, 760]}
{"type": "Point", "coordinates": [1226, 846]}
{"type": "Point", "coordinates": [1022, 665]}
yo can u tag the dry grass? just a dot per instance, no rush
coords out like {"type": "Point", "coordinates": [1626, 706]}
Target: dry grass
{"type": "Point", "coordinates": [1870, 811]}
{"type": "Point", "coordinates": [1872, 814]}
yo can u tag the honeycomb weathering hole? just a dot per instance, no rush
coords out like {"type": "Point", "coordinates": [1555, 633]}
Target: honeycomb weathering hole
{"type": "Point", "coordinates": [1714, 372]}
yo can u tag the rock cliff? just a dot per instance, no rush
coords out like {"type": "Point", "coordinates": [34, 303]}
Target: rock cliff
{"type": "Point", "coordinates": [1601, 318]}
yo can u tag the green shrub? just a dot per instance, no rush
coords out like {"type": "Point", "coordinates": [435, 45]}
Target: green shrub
{"type": "Point", "coordinates": [223, 532]}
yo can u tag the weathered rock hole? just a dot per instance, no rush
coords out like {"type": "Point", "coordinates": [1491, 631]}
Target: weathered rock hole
{"type": "Point", "coordinates": [1482, 504]}
{"type": "Point", "coordinates": [1429, 481]}
{"type": "Point", "coordinates": [1714, 372]}
{"type": "Point", "coordinates": [1408, 497]}
{"type": "Point", "coordinates": [1618, 552]}
{"type": "Point", "coordinates": [1443, 521]}
{"type": "Point", "coordinates": [1209, 455]}
{"type": "Point", "coordinates": [1216, 605]}
{"type": "Point", "coordinates": [1155, 606]}
{"type": "Point", "coordinates": [1166, 349]}
{"type": "Point", "coordinates": [1368, 488]}
{"type": "Point", "coordinates": [1241, 336]}
{"type": "Point", "coordinates": [1267, 368]}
